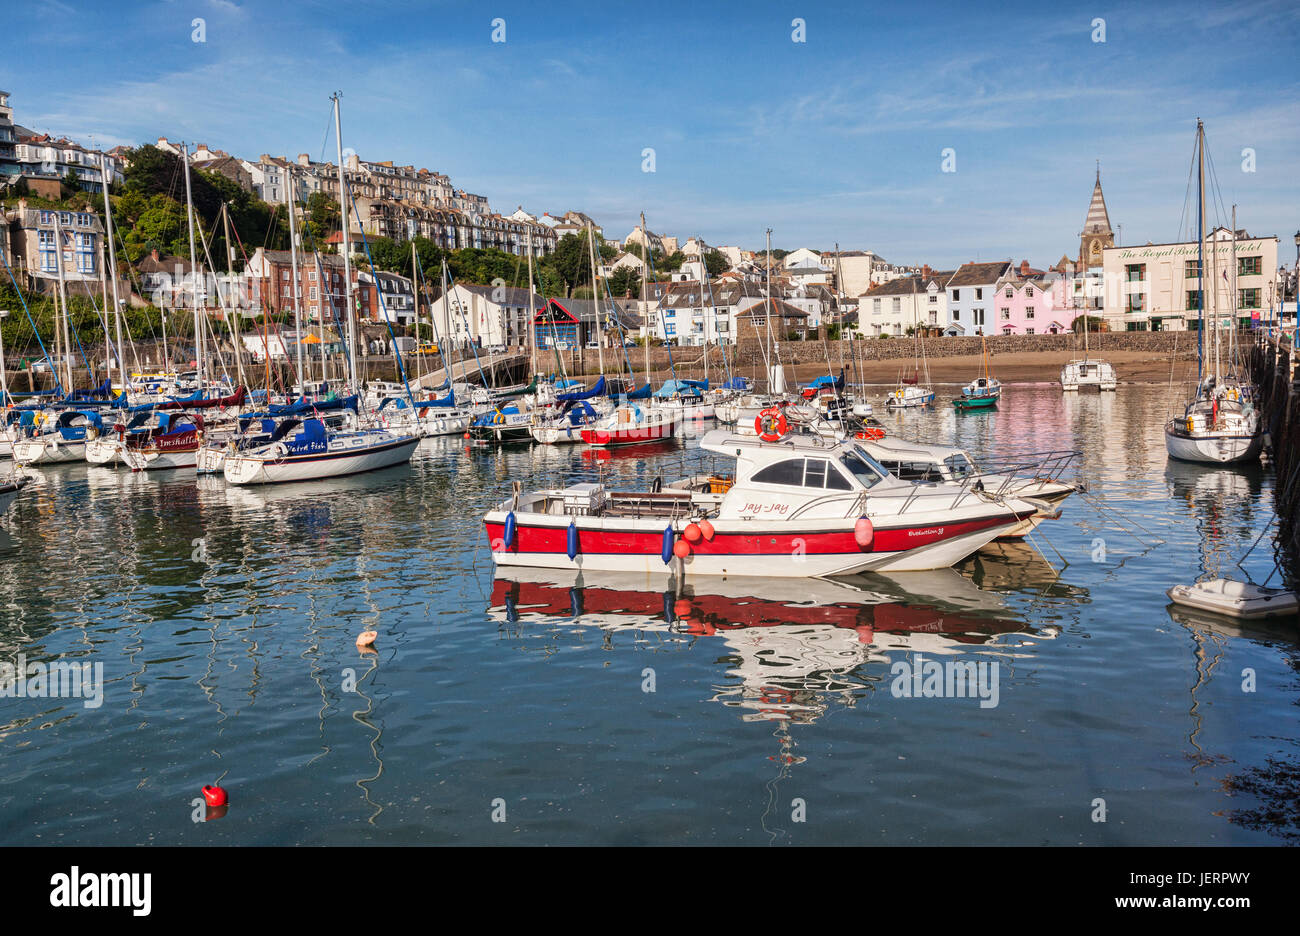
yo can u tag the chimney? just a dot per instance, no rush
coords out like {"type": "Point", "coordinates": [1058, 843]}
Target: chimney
{"type": "Point", "coordinates": [1024, 267]}
{"type": "Point", "coordinates": [304, 159]}
{"type": "Point", "coordinates": [926, 271]}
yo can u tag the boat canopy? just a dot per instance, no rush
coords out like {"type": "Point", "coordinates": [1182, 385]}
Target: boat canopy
{"type": "Point", "coordinates": [736, 383]}
{"type": "Point", "coordinates": [595, 391]}
{"type": "Point", "coordinates": [640, 393]}
{"type": "Point", "coordinates": [301, 407]}
{"type": "Point", "coordinates": [826, 380]}
{"type": "Point", "coordinates": [678, 387]}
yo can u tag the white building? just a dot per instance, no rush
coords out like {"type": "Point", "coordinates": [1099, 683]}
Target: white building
{"type": "Point", "coordinates": [903, 303]}
{"type": "Point", "coordinates": [971, 294]}
{"type": "Point", "coordinates": [1154, 287]}
{"type": "Point", "coordinates": [803, 257]}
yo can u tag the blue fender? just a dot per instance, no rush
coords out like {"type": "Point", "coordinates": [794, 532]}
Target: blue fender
{"type": "Point", "coordinates": [573, 539]}
{"type": "Point", "coordinates": [667, 551]}
{"type": "Point", "coordinates": [510, 531]}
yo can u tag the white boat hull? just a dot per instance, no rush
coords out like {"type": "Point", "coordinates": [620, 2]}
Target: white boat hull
{"type": "Point", "coordinates": [105, 451]}
{"type": "Point", "coordinates": [1213, 448]}
{"type": "Point", "coordinates": [160, 461]}
{"type": "Point", "coordinates": [342, 458]}
{"type": "Point", "coordinates": [49, 450]}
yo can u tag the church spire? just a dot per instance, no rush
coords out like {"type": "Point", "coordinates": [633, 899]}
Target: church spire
{"type": "Point", "coordinates": [1096, 235]}
{"type": "Point", "coordinates": [1098, 221]}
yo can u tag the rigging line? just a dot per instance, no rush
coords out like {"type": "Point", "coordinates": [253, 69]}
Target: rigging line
{"type": "Point", "coordinates": [401, 367]}
{"type": "Point", "coordinates": [53, 370]}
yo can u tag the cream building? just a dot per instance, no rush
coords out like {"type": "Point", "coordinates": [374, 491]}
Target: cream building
{"type": "Point", "coordinates": [1154, 287]}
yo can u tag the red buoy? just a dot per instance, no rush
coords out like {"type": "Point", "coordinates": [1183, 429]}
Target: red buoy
{"type": "Point", "coordinates": [366, 638]}
{"type": "Point", "coordinates": [681, 549]}
{"type": "Point", "coordinates": [692, 533]}
{"type": "Point", "coordinates": [707, 529]}
{"type": "Point", "coordinates": [214, 796]}
{"type": "Point", "coordinates": [863, 532]}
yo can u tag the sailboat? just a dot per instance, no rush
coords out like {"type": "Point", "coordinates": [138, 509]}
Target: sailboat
{"type": "Point", "coordinates": [911, 392]}
{"type": "Point", "coordinates": [1220, 424]}
{"type": "Point", "coordinates": [1087, 372]}
{"type": "Point", "coordinates": [984, 391]}
{"type": "Point", "coordinates": [317, 450]}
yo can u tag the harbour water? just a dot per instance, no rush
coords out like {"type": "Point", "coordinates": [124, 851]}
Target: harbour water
{"type": "Point", "coordinates": [749, 712]}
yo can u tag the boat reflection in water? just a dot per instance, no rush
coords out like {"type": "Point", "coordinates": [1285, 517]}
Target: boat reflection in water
{"type": "Point", "coordinates": [792, 650]}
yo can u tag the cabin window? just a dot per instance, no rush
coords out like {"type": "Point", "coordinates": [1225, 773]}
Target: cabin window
{"type": "Point", "coordinates": [789, 472]}
{"type": "Point", "coordinates": [912, 471]}
{"type": "Point", "coordinates": [836, 481]}
{"type": "Point", "coordinates": [863, 467]}
{"type": "Point", "coordinates": [814, 474]}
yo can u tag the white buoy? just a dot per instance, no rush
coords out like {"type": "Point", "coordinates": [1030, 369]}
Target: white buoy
{"type": "Point", "coordinates": [1235, 599]}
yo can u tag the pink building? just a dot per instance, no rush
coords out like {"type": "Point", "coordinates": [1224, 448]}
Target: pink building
{"type": "Point", "coordinates": [1030, 302]}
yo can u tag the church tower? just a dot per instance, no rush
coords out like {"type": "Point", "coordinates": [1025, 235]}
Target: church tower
{"type": "Point", "coordinates": [1096, 234]}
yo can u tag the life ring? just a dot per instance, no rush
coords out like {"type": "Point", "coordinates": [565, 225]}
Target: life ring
{"type": "Point", "coordinates": [771, 424]}
{"type": "Point", "coordinates": [870, 434]}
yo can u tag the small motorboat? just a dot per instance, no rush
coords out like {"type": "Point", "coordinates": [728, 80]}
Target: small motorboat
{"type": "Point", "coordinates": [1240, 600]}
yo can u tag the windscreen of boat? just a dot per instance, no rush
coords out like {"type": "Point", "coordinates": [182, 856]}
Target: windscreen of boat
{"type": "Point", "coordinates": [960, 465]}
{"type": "Point", "coordinates": [863, 467]}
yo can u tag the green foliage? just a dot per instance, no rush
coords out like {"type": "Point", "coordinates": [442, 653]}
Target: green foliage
{"type": "Point", "coordinates": [715, 262]}
{"type": "Point", "coordinates": [1094, 323]}
{"type": "Point", "coordinates": [624, 281]}
{"type": "Point", "coordinates": [833, 332]}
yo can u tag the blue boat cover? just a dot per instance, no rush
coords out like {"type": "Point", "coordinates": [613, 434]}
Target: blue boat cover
{"type": "Point", "coordinates": [595, 391]}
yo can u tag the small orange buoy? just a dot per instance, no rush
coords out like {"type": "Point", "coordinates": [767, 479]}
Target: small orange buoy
{"type": "Point", "coordinates": [707, 529]}
{"type": "Point", "coordinates": [681, 549]}
{"type": "Point", "coordinates": [863, 532]}
{"type": "Point", "coordinates": [214, 796]}
{"type": "Point", "coordinates": [366, 638]}
{"type": "Point", "coordinates": [692, 533]}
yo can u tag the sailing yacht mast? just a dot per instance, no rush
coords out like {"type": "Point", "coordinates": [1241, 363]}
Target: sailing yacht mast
{"type": "Point", "coordinates": [645, 295]}
{"type": "Point", "coordinates": [1232, 297]}
{"type": "Point", "coordinates": [532, 310]}
{"type": "Point", "coordinates": [595, 298]}
{"type": "Point", "coordinates": [353, 386]}
{"type": "Point", "coordinates": [296, 289]}
{"type": "Point", "coordinates": [194, 268]}
{"type": "Point", "coordinates": [1200, 251]}
{"type": "Point", "coordinates": [112, 261]}
{"type": "Point", "coordinates": [66, 351]}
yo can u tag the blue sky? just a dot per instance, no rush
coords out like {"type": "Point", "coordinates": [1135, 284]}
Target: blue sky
{"type": "Point", "coordinates": [835, 139]}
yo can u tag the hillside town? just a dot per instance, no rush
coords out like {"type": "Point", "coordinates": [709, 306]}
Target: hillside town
{"type": "Point", "coordinates": [673, 289]}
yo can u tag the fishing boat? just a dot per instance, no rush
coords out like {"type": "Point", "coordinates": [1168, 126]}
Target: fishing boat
{"type": "Point", "coordinates": [801, 507]}
{"type": "Point", "coordinates": [631, 424]}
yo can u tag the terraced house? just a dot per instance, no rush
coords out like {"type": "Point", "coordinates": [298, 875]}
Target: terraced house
{"type": "Point", "coordinates": [45, 243]}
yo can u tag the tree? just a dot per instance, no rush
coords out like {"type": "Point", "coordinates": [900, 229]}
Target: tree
{"type": "Point", "coordinates": [571, 260]}
{"type": "Point", "coordinates": [715, 262]}
{"type": "Point", "coordinates": [1094, 324]}
{"type": "Point", "coordinates": [624, 280]}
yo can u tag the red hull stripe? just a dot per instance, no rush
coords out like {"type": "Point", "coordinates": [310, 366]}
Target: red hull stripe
{"type": "Point", "coordinates": [622, 436]}
{"type": "Point", "coordinates": [538, 539]}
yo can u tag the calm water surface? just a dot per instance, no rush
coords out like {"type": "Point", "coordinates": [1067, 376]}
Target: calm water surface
{"type": "Point", "coordinates": [225, 621]}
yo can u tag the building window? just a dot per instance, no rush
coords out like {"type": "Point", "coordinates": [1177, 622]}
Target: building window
{"type": "Point", "coordinates": [1248, 266]}
{"type": "Point", "coordinates": [979, 294]}
{"type": "Point", "coordinates": [1193, 300]}
{"type": "Point", "coordinates": [956, 295]}
{"type": "Point", "coordinates": [875, 306]}
{"type": "Point", "coordinates": [1136, 303]}
{"type": "Point", "coordinates": [311, 294]}
{"type": "Point", "coordinates": [1007, 293]}
{"type": "Point", "coordinates": [1248, 298]}
{"type": "Point", "coordinates": [1191, 270]}
{"type": "Point", "coordinates": [898, 304]}
{"type": "Point", "coordinates": [1004, 314]}
{"type": "Point", "coordinates": [1029, 313]}
{"type": "Point", "coordinates": [1135, 272]}
{"type": "Point", "coordinates": [1029, 292]}
{"type": "Point", "coordinates": [956, 315]}
{"type": "Point", "coordinates": [933, 298]}
{"type": "Point", "coordinates": [1029, 331]}
{"type": "Point", "coordinates": [284, 275]}
{"type": "Point", "coordinates": [979, 316]}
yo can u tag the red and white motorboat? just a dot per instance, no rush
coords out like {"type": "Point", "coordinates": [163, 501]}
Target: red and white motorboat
{"type": "Point", "coordinates": [632, 424]}
{"type": "Point", "coordinates": [801, 507]}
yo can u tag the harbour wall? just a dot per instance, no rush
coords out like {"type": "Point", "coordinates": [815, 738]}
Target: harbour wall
{"type": "Point", "coordinates": [1273, 369]}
